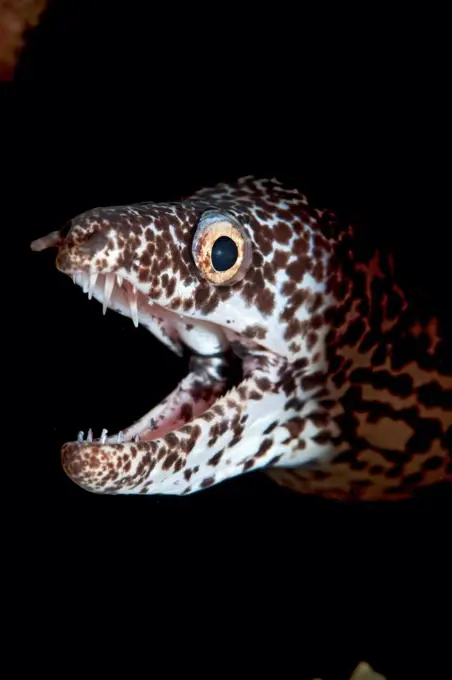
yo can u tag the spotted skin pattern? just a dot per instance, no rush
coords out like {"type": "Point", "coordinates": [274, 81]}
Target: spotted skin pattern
{"type": "Point", "coordinates": [346, 393]}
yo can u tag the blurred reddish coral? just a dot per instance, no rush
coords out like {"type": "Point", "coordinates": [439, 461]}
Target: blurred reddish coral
{"type": "Point", "coordinates": [16, 18]}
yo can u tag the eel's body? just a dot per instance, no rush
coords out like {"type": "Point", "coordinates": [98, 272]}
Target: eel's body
{"type": "Point", "coordinates": [345, 392]}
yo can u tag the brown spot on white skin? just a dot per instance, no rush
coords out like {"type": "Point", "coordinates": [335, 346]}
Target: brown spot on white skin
{"type": "Point", "coordinates": [342, 381]}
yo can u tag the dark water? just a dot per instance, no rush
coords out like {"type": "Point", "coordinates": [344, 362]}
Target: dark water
{"type": "Point", "coordinates": [101, 114]}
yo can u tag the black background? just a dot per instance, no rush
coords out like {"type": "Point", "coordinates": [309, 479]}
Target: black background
{"type": "Point", "coordinates": [117, 105]}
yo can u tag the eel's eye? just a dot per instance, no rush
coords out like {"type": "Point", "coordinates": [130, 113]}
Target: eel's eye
{"type": "Point", "coordinates": [221, 249]}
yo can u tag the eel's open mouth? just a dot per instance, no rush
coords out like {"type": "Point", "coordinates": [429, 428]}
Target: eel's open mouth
{"type": "Point", "coordinates": [206, 381]}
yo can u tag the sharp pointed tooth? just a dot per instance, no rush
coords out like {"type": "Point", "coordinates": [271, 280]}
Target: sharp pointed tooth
{"type": "Point", "coordinates": [134, 290]}
{"type": "Point", "coordinates": [85, 282]}
{"type": "Point", "coordinates": [92, 283]}
{"type": "Point", "coordinates": [132, 298]}
{"type": "Point", "coordinates": [103, 436]}
{"type": "Point", "coordinates": [80, 436]}
{"type": "Point", "coordinates": [109, 285]}
{"type": "Point", "coordinates": [89, 437]}
{"type": "Point", "coordinates": [74, 278]}
{"type": "Point", "coordinates": [136, 438]}
{"type": "Point", "coordinates": [120, 437]}
{"type": "Point", "coordinates": [119, 280]}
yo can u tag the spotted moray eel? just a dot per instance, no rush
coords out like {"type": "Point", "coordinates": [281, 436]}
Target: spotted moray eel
{"type": "Point", "coordinates": [345, 392]}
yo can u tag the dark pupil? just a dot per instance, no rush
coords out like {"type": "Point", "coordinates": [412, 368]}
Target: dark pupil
{"type": "Point", "coordinates": [224, 253]}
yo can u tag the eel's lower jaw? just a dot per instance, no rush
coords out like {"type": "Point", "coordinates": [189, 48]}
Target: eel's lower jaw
{"type": "Point", "coordinates": [153, 454]}
{"type": "Point", "coordinates": [189, 400]}
{"type": "Point", "coordinates": [157, 461]}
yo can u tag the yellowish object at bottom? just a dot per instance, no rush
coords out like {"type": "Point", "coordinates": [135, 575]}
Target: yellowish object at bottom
{"type": "Point", "coordinates": [364, 672]}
